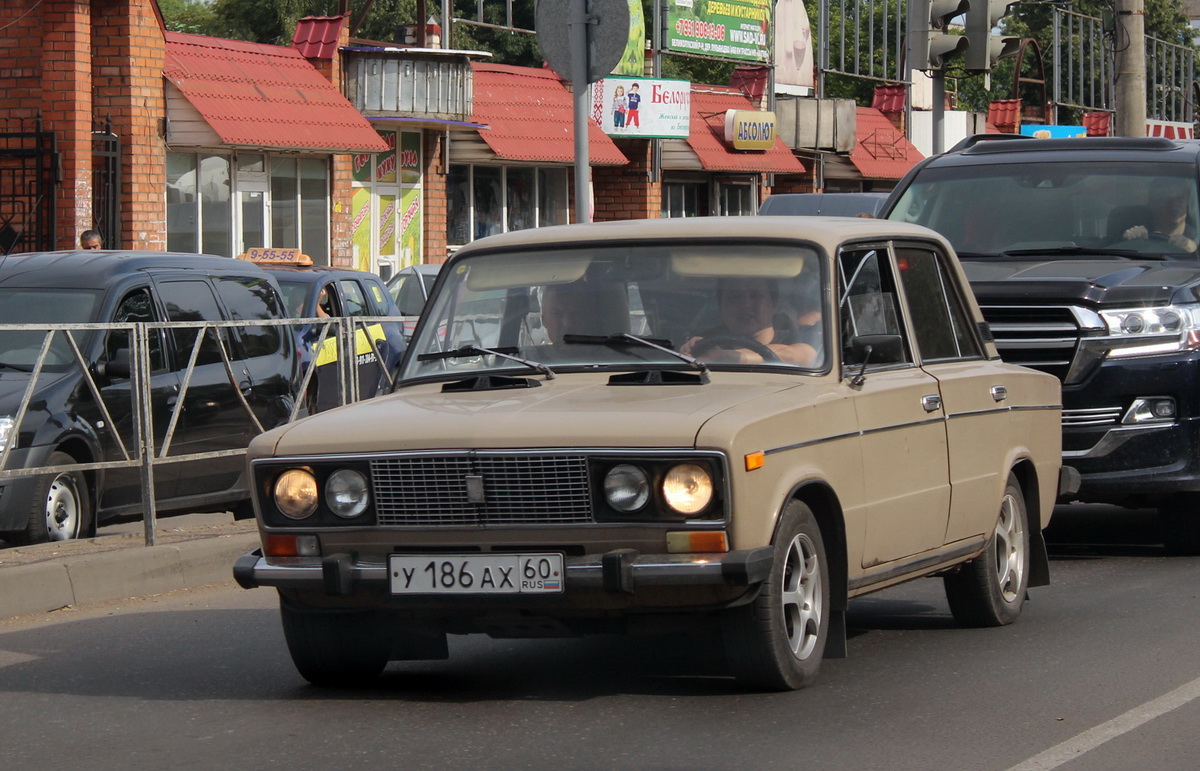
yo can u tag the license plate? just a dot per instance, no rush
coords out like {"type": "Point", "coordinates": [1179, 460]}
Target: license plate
{"type": "Point", "coordinates": [476, 573]}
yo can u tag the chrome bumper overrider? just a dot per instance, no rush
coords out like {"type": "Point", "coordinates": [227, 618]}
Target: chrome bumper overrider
{"type": "Point", "coordinates": [620, 571]}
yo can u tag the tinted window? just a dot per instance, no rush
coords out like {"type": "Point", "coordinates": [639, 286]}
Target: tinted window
{"type": "Point", "coordinates": [939, 320]}
{"type": "Point", "coordinates": [35, 306]}
{"type": "Point", "coordinates": [192, 301]}
{"type": "Point", "coordinates": [247, 299]}
{"type": "Point", "coordinates": [135, 307]}
{"type": "Point", "coordinates": [354, 299]}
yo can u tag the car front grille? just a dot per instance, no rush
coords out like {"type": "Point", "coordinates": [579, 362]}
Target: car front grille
{"type": "Point", "coordinates": [1097, 417]}
{"type": "Point", "coordinates": [1046, 338]}
{"type": "Point", "coordinates": [481, 488]}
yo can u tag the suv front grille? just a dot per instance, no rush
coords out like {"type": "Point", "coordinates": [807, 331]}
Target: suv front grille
{"type": "Point", "coordinates": [516, 489]}
{"type": "Point", "coordinates": [1043, 337]}
{"type": "Point", "coordinates": [1092, 417]}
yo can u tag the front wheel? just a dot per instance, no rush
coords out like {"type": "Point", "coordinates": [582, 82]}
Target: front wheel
{"type": "Point", "coordinates": [990, 589]}
{"type": "Point", "coordinates": [335, 649]}
{"type": "Point", "coordinates": [62, 506]}
{"type": "Point", "coordinates": [777, 641]}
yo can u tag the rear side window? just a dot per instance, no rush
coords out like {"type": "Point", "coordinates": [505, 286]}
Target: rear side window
{"type": "Point", "coordinates": [356, 301]}
{"type": "Point", "coordinates": [247, 299]}
{"type": "Point", "coordinates": [939, 320]}
{"type": "Point", "coordinates": [192, 300]}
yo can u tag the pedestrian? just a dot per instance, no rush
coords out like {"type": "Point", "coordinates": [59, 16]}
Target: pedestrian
{"type": "Point", "coordinates": [91, 239]}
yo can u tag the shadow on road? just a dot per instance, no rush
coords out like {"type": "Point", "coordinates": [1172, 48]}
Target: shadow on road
{"type": "Point", "coordinates": [1084, 531]}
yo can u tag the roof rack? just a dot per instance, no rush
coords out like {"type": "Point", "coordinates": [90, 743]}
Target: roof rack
{"type": "Point", "coordinates": [975, 139]}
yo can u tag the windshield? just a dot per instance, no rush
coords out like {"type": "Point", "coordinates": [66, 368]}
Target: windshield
{"type": "Point", "coordinates": [724, 305]}
{"type": "Point", "coordinates": [1063, 210]}
{"type": "Point", "coordinates": [19, 349]}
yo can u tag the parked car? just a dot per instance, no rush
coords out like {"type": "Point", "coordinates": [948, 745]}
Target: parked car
{"type": "Point", "coordinates": [1082, 253]}
{"type": "Point", "coordinates": [311, 291]}
{"type": "Point", "coordinates": [410, 288]}
{"type": "Point", "coordinates": [58, 420]}
{"type": "Point", "coordinates": [824, 204]}
{"type": "Point", "coordinates": [814, 412]}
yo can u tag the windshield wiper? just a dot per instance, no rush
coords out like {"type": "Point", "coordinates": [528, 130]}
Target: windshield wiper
{"type": "Point", "coordinates": [502, 353]}
{"type": "Point", "coordinates": [1092, 251]}
{"type": "Point", "coordinates": [624, 338]}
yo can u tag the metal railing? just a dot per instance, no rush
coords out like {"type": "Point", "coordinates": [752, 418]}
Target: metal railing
{"type": "Point", "coordinates": [141, 450]}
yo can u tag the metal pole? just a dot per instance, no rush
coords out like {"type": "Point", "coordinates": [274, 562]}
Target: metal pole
{"type": "Point", "coordinates": [141, 390]}
{"type": "Point", "coordinates": [938, 77]}
{"type": "Point", "coordinates": [580, 37]}
{"type": "Point", "coordinates": [1131, 68]}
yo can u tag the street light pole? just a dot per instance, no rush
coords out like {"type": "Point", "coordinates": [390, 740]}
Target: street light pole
{"type": "Point", "coordinates": [1131, 68]}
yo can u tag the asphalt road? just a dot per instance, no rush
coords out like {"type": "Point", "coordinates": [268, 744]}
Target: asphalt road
{"type": "Point", "coordinates": [1101, 671]}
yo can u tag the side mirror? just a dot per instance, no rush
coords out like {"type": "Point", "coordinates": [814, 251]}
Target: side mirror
{"type": "Point", "coordinates": [865, 348]}
{"type": "Point", "coordinates": [118, 365]}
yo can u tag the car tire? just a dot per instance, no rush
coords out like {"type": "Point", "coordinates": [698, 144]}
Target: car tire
{"type": "Point", "coordinates": [990, 589]}
{"type": "Point", "coordinates": [1180, 517]}
{"type": "Point", "coordinates": [62, 506]}
{"type": "Point", "coordinates": [336, 649]}
{"type": "Point", "coordinates": [777, 641]}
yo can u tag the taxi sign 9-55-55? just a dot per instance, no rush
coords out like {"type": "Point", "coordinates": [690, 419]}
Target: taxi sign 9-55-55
{"type": "Point", "coordinates": [476, 573]}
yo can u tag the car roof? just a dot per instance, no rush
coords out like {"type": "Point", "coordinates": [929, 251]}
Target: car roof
{"type": "Point", "coordinates": [827, 232]}
{"type": "Point", "coordinates": [823, 204]}
{"type": "Point", "coordinates": [315, 273]}
{"type": "Point", "coordinates": [99, 268]}
{"type": "Point", "coordinates": [1108, 149]}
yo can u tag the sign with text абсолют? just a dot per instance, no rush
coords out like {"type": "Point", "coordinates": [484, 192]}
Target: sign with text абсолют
{"type": "Point", "coordinates": [734, 29]}
{"type": "Point", "coordinates": [642, 107]}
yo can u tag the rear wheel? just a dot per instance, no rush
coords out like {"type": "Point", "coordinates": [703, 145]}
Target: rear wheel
{"type": "Point", "coordinates": [990, 589]}
{"type": "Point", "coordinates": [61, 509]}
{"type": "Point", "coordinates": [1181, 524]}
{"type": "Point", "coordinates": [777, 641]}
{"type": "Point", "coordinates": [336, 649]}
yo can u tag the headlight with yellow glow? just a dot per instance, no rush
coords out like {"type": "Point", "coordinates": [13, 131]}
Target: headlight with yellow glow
{"type": "Point", "coordinates": [687, 488]}
{"type": "Point", "coordinates": [296, 493]}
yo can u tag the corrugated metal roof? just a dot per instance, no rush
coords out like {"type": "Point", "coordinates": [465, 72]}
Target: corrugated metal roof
{"type": "Point", "coordinates": [882, 151]}
{"type": "Point", "coordinates": [889, 98]}
{"type": "Point", "coordinates": [316, 37]}
{"type": "Point", "coordinates": [707, 137]}
{"type": "Point", "coordinates": [1005, 114]}
{"type": "Point", "coordinates": [1098, 124]}
{"type": "Point", "coordinates": [530, 115]}
{"type": "Point", "coordinates": [262, 96]}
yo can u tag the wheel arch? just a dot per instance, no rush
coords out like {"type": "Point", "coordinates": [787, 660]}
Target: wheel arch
{"type": "Point", "coordinates": [1039, 559]}
{"type": "Point", "coordinates": [827, 510]}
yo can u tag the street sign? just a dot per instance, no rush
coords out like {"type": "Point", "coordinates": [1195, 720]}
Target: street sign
{"type": "Point", "coordinates": [609, 33]}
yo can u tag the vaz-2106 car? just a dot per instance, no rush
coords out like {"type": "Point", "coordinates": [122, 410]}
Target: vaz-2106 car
{"type": "Point", "coordinates": [734, 422]}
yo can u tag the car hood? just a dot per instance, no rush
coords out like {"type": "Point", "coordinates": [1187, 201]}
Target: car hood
{"type": "Point", "coordinates": [1099, 281]}
{"type": "Point", "coordinates": [13, 384]}
{"type": "Point", "coordinates": [570, 411]}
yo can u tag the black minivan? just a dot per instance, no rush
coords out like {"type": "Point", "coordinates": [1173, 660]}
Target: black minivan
{"type": "Point", "coordinates": [63, 422]}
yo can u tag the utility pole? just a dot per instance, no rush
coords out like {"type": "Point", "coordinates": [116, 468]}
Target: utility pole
{"type": "Point", "coordinates": [1131, 68]}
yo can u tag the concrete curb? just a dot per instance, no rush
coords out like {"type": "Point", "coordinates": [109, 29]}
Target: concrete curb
{"type": "Point", "coordinates": [132, 571]}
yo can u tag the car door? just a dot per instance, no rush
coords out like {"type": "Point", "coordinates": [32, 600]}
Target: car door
{"type": "Point", "coordinates": [902, 434]}
{"type": "Point", "coordinates": [266, 351]}
{"type": "Point", "coordinates": [369, 338]}
{"type": "Point", "coordinates": [213, 417]}
{"type": "Point", "coordinates": [974, 391]}
{"type": "Point", "coordinates": [123, 486]}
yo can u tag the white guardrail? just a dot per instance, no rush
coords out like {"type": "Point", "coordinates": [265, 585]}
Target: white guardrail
{"type": "Point", "coordinates": [141, 452]}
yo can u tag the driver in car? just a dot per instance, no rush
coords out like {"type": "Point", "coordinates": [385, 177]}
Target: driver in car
{"type": "Point", "coordinates": [751, 330]}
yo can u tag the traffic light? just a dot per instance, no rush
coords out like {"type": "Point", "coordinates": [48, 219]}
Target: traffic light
{"type": "Point", "coordinates": [929, 44]}
{"type": "Point", "coordinates": [983, 48]}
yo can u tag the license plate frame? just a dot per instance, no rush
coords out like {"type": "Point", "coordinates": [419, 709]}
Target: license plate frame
{"type": "Point", "coordinates": [484, 573]}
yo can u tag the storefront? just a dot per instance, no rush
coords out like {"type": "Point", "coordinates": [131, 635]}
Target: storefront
{"type": "Point", "coordinates": [252, 131]}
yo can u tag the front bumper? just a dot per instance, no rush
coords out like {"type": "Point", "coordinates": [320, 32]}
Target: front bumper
{"type": "Point", "coordinates": [622, 571]}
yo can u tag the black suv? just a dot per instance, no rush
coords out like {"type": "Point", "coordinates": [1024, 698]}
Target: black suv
{"type": "Point", "coordinates": [62, 422]}
{"type": "Point", "coordinates": [1083, 255]}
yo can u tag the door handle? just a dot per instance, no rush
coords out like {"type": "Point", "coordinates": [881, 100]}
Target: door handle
{"type": "Point", "coordinates": [931, 402]}
{"type": "Point", "coordinates": [999, 393]}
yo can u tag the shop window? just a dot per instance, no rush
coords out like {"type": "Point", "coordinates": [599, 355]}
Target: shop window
{"type": "Point", "coordinates": [314, 197]}
{"type": "Point", "coordinates": [685, 199]}
{"type": "Point", "coordinates": [284, 216]}
{"type": "Point", "coordinates": [182, 214]}
{"type": "Point", "coordinates": [485, 200]}
{"type": "Point", "coordinates": [215, 206]}
{"type": "Point", "coordinates": [735, 198]}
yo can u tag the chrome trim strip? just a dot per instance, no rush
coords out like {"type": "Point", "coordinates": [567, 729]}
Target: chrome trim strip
{"type": "Point", "coordinates": [869, 578]}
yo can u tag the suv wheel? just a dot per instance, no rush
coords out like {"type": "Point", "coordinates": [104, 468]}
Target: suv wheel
{"type": "Point", "coordinates": [990, 589]}
{"type": "Point", "coordinates": [777, 641]}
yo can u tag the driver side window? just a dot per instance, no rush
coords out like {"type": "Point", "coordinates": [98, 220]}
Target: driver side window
{"type": "Point", "coordinates": [869, 308]}
{"type": "Point", "coordinates": [135, 307]}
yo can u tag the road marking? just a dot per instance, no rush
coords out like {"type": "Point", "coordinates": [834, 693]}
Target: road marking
{"type": "Point", "coordinates": [1121, 724]}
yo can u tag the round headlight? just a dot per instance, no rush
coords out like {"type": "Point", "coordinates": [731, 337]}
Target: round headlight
{"type": "Point", "coordinates": [346, 493]}
{"type": "Point", "coordinates": [1171, 322]}
{"type": "Point", "coordinates": [296, 493]}
{"type": "Point", "coordinates": [688, 488]}
{"type": "Point", "coordinates": [626, 487]}
{"type": "Point", "coordinates": [1132, 324]}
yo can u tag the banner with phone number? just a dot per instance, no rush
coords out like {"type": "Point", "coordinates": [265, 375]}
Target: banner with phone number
{"type": "Point", "coordinates": [736, 29]}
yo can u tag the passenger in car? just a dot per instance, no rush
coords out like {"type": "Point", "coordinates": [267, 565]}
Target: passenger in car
{"type": "Point", "coordinates": [751, 330]}
{"type": "Point", "coordinates": [584, 308]}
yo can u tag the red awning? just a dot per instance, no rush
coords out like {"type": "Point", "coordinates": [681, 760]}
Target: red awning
{"type": "Point", "coordinates": [881, 150]}
{"type": "Point", "coordinates": [707, 137]}
{"type": "Point", "coordinates": [267, 97]}
{"type": "Point", "coordinates": [529, 115]}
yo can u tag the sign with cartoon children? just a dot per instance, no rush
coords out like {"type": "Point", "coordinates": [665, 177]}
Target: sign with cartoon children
{"type": "Point", "coordinates": [642, 107]}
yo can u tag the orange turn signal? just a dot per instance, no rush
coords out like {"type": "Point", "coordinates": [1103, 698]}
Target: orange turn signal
{"type": "Point", "coordinates": [692, 542]}
{"type": "Point", "coordinates": [755, 460]}
{"type": "Point", "coordinates": [280, 546]}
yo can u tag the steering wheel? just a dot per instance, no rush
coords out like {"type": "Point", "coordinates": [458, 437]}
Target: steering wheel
{"type": "Point", "coordinates": [732, 342]}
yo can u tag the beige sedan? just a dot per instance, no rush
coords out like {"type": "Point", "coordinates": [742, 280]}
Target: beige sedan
{"type": "Point", "coordinates": [732, 423]}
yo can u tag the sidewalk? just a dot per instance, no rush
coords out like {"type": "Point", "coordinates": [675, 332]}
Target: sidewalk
{"type": "Point", "coordinates": [191, 550]}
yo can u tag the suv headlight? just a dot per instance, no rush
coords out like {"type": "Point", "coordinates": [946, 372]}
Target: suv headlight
{"type": "Point", "coordinates": [6, 427]}
{"type": "Point", "coordinates": [1147, 331]}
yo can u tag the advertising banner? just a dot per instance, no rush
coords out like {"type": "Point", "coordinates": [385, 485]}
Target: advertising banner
{"type": "Point", "coordinates": [633, 60]}
{"type": "Point", "coordinates": [410, 227]}
{"type": "Point", "coordinates": [737, 29]}
{"type": "Point", "coordinates": [360, 235]}
{"type": "Point", "coordinates": [642, 107]}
